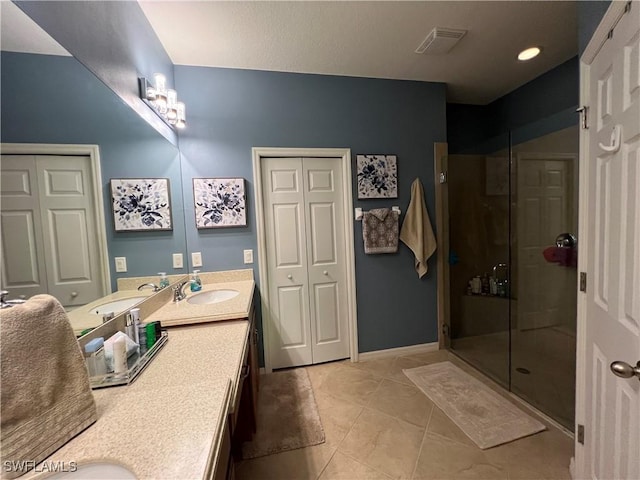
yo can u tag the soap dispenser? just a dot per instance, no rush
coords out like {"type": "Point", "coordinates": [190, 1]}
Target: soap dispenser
{"type": "Point", "coordinates": [164, 280]}
{"type": "Point", "coordinates": [195, 283]}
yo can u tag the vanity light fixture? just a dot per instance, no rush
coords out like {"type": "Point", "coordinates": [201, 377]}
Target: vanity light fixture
{"type": "Point", "coordinates": [529, 53]}
{"type": "Point", "coordinates": [163, 100]}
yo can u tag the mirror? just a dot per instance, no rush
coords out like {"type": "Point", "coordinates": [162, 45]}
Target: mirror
{"type": "Point", "coordinates": [53, 99]}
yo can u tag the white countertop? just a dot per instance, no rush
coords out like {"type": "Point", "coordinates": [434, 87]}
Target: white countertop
{"type": "Point", "coordinates": [168, 423]}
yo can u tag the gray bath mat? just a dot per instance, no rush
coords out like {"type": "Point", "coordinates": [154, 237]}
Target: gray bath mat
{"type": "Point", "coordinates": [288, 416]}
{"type": "Point", "coordinates": [484, 416]}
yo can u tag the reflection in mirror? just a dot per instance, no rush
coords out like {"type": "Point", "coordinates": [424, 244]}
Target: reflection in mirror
{"type": "Point", "coordinates": [60, 247]}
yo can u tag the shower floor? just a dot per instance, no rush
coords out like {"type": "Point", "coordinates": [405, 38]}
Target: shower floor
{"type": "Point", "coordinates": [548, 354]}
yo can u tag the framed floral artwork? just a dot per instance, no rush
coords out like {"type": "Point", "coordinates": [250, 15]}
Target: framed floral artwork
{"type": "Point", "coordinates": [141, 204]}
{"type": "Point", "coordinates": [219, 202]}
{"type": "Point", "coordinates": [377, 176]}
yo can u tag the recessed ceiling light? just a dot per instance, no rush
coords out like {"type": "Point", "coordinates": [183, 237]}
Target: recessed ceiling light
{"type": "Point", "coordinates": [528, 54]}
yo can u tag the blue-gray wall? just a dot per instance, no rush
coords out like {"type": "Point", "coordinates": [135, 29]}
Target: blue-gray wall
{"type": "Point", "coordinates": [541, 106]}
{"type": "Point", "coordinates": [231, 111]}
{"type": "Point", "coordinates": [73, 107]}
{"type": "Point", "coordinates": [589, 15]}
{"type": "Point", "coordinates": [114, 40]}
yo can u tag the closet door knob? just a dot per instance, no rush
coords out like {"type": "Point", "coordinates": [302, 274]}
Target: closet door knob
{"type": "Point", "coordinates": [289, 276]}
{"type": "Point", "coordinates": [325, 273]}
{"type": "Point", "coordinates": [74, 294]}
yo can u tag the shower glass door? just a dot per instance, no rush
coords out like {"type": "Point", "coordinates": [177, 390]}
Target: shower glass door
{"type": "Point", "coordinates": [512, 264]}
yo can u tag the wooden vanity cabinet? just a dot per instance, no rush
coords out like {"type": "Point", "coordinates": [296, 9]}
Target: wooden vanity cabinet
{"type": "Point", "coordinates": [243, 417]}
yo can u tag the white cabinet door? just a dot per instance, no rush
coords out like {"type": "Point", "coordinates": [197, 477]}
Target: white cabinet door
{"type": "Point", "coordinates": [306, 260]}
{"type": "Point", "coordinates": [49, 231]}
{"type": "Point", "coordinates": [23, 265]}
{"type": "Point", "coordinates": [612, 299]}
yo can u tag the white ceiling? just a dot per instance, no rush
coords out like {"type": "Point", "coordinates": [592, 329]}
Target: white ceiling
{"type": "Point", "coordinates": [18, 33]}
{"type": "Point", "coordinates": [361, 39]}
{"type": "Point", "coordinates": [372, 39]}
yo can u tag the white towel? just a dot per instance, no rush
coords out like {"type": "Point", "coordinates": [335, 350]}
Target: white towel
{"type": "Point", "coordinates": [416, 232]}
{"type": "Point", "coordinates": [46, 399]}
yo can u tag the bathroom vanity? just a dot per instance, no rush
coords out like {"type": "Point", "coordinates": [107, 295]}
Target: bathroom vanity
{"type": "Point", "coordinates": [193, 405]}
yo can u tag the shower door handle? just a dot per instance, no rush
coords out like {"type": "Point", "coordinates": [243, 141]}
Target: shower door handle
{"type": "Point", "coordinates": [624, 370]}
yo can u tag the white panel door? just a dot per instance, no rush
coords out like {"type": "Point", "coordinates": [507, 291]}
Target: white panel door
{"type": "Point", "coordinates": [612, 403]}
{"type": "Point", "coordinates": [545, 210]}
{"type": "Point", "coordinates": [69, 229]}
{"type": "Point", "coordinates": [290, 326]}
{"type": "Point", "coordinates": [326, 258]}
{"type": "Point", "coordinates": [23, 265]}
{"type": "Point", "coordinates": [49, 232]}
{"type": "Point", "coordinates": [303, 210]}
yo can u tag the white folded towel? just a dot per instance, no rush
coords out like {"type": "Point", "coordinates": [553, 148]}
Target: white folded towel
{"type": "Point", "coordinates": [46, 398]}
{"type": "Point", "coordinates": [416, 232]}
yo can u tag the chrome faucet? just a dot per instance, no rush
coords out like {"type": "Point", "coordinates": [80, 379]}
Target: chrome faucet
{"type": "Point", "coordinates": [149, 285]}
{"type": "Point", "coordinates": [178, 291]}
{"type": "Point", "coordinates": [9, 303]}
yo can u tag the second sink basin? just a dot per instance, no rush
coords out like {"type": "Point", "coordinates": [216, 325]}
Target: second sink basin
{"type": "Point", "coordinates": [117, 306]}
{"type": "Point", "coordinates": [212, 296]}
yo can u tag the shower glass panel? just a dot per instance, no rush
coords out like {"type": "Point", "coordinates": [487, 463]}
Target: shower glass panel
{"type": "Point", "coordinates": [543, 307]}
{"type": "Point", "coordinates": [512, 289]}
{"type": "Point", "coordinates": [478, 197]}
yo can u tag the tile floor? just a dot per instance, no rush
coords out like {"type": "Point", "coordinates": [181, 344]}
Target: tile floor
{"type": "Point", "coordinates": [378, 425]}
{"type": "Point", "coordinates": [547, 387]}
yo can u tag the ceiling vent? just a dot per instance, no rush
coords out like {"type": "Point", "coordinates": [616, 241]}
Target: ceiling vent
{"type": "Point", "coordinates": [440, 40]}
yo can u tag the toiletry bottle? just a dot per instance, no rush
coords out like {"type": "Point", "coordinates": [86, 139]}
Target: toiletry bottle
{"type": "Point", "coordinates": [193, 284]}
{"type": "Point", "coordinates": [94, 357]}
{"type": "Point", "coordinates": [120, 356]}
{"type": "Point", "coordinates": [164, 281]}
{"type": "Point", "coordinates": [130, 328]}
{"type": "Point", "coordinates": [150, 334]}
{"type": "Point", "coordinates": [197, 274]}
{"type": "Point", "coordinates": [135, 316]}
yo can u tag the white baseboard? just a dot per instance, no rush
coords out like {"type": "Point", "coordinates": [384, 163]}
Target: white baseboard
{"type": "Point", "coordinates": [400, 351]}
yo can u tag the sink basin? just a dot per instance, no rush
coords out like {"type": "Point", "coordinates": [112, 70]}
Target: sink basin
{"type": "Point", "coordinates": [97, 471]}
{"type": "Point", "coordinates": [212, 296]}
{"type": "Point", "coordinates": [117, 306]}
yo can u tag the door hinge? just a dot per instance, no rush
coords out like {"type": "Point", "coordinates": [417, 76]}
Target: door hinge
{"type": "Point", "coordinates": [445, 330]}
{"type": "Point", "coordinates": [443, 177]}
{"type": "Point", "coordinates": [583, 281]}
{"type": "Point", "coordinates": [584, 116]}
{"type": "Point", "coordinates": [580, 434]}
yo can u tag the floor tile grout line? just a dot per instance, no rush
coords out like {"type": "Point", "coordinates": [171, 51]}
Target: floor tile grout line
{"type": "Point", "coordinates": [366, 464]}
{"type": "Point", "coordinates": [424, 436]}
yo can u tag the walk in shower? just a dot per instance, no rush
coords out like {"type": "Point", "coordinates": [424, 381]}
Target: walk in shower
{"type": "Point", "coordinates": [512, 266]}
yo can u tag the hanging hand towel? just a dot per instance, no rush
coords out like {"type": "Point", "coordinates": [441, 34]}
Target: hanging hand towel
{"type": "Point", "coordinates": [46, 397]}
{"type": "Point", "coordinates": [380, 231]}
{"type": "Point", "coordinates": [417, 233]}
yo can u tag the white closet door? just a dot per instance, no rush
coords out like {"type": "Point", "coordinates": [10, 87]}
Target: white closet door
{"type": "Point", "coordinates": [49, 234]}
{"type": "Point", "coordinates": [290, 327]}
{"type": "Point", "coordinates": [23, 266]}
{"type": "Point", "coordinates": [69, 228]}
{"type": "Point", "coordinates": [326, 258]}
